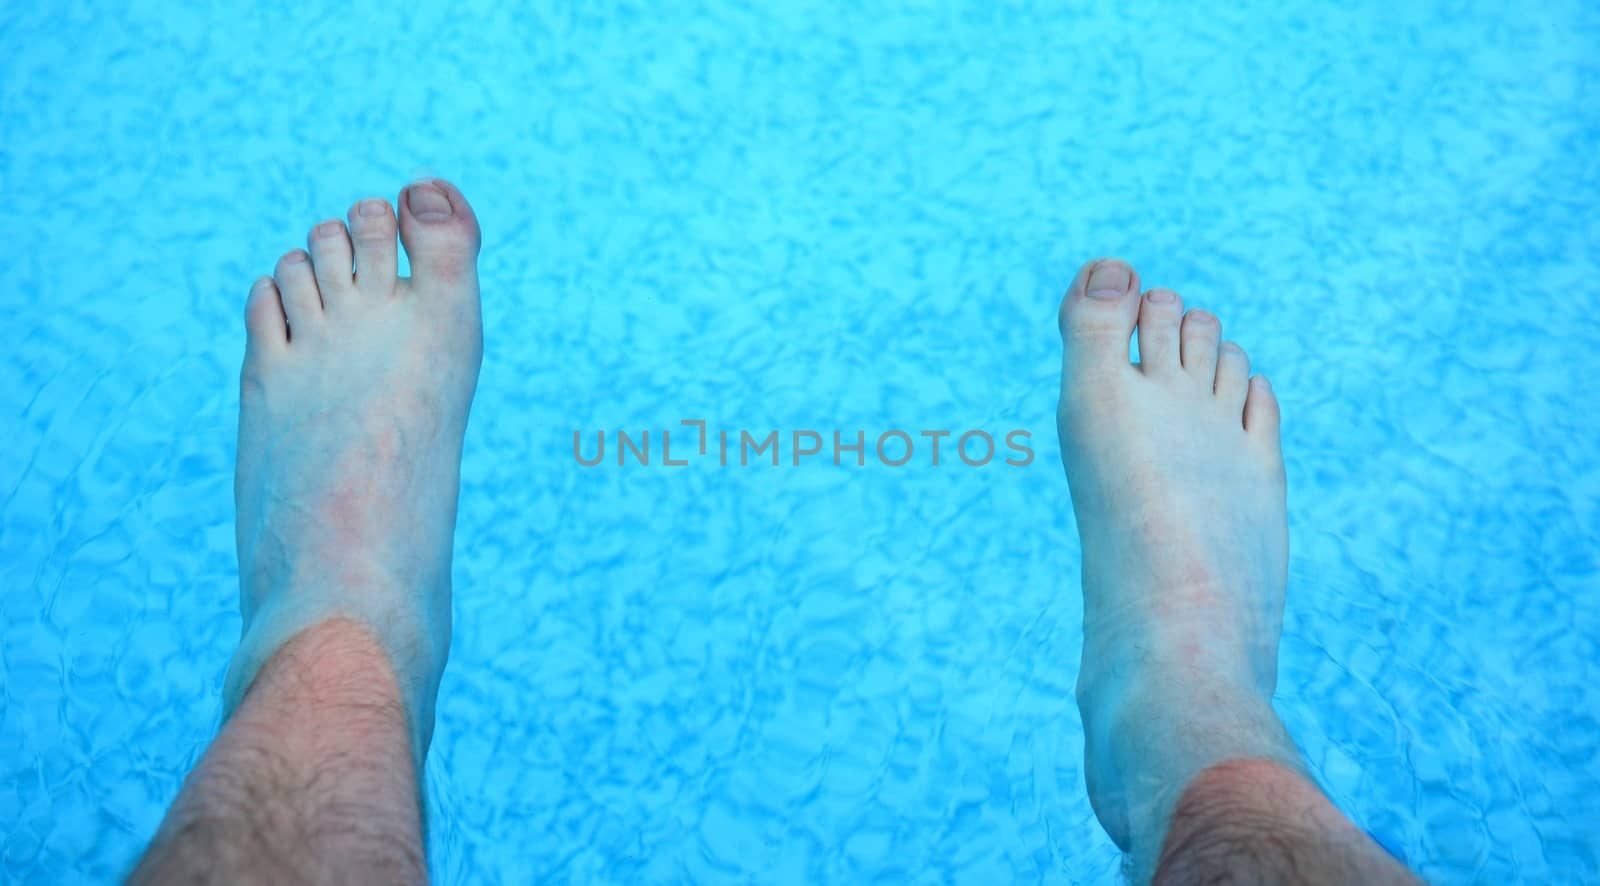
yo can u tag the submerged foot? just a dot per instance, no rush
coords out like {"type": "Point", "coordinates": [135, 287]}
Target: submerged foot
{"type": "Point", "coordinates": [354, 398]}
{"type": "Point", "coordinates": [1177, 482]}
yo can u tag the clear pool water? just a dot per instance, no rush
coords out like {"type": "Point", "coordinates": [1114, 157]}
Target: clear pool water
{"type": "Point", "coordinates": [853, 217]}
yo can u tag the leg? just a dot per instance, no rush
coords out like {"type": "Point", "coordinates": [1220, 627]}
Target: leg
{"type": "Point", "coordinates": [1256, 820]}
{"type": "Point", "coordinates": [353, 405]}
{"type": "Point", "coordinates": [310, 781]}
{"type": "Point", "coordinates": [1177, 481]}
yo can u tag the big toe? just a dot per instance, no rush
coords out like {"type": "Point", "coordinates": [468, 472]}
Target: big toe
{"type": "Point", "coordinates": [1098, 314]}
{"type": "Point", "coordinates": [440, 233]}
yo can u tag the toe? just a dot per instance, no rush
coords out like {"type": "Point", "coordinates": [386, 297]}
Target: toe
{"type": "Point", "coordinates": [1158, 331]}
{"type": "Point", "coordinates": [297, 287]}
{"type": "Point", "coordinates": [372, 227]}
{"type": "Point", "coordinates": [330, 258]}
{"type": "Point", "coordinates": [264, 321]}
{"type": "Point", "coordinates": [1233, 377]}
{"type": "Point", "coordinates": [1261, 419]}
{"type": "Point", "coordinates": [1200, 333]}
{"type": "Point", "coordinates": [1261, 408]}
{"type": "Point", "coordinates": [1098, 314]}
{"type": "Point", "coordinates": [440, 234]}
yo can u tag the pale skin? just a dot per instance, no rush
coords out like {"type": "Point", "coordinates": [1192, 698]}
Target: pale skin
{"type": "Point", "coordinates": [354, 399]}
{"type": "Point", "coordinates": [353, 402]}
{"type": "Point", "coordinates": [1177, 480]}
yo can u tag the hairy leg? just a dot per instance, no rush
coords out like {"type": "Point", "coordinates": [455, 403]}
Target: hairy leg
{"type": "Point", "coordinates": [1256, 821]}
{"type": "Point", "coordinates": [310, 781]}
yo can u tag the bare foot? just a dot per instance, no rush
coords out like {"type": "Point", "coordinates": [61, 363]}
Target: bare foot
{"type": "Point", "coordinates": [354, 399]}
{"type": "Point", "coordinates": [1177, 481]}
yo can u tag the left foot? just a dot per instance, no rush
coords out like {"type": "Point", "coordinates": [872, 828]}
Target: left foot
{"type": "Point", "coordinates": [354, 399]}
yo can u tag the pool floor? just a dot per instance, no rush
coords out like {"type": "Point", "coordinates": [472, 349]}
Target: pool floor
{"type": "Point", "coordinates": [821, 217]}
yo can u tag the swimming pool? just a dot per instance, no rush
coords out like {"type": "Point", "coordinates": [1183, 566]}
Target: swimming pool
{"type": "Point", "coordinates": [859, 218]}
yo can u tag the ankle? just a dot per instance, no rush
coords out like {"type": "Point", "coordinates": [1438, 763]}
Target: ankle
{"type": "Point", "coordinates": [342, 660]}
{"type": "Point", "coordinates": [335, 670]}
{"type": "Point", "coordinates": [1161, 718]}
{"type": "Point", "coordinates": [1150, 729]}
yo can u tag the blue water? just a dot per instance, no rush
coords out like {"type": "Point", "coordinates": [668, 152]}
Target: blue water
{"type": "Point", "coordinates": [853, 218]}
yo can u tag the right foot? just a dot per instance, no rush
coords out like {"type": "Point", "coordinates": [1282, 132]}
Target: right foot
{"type": "Point", "coordinates": [1177, 482]}
{"type": "Point", "coordinates": [354, 399]}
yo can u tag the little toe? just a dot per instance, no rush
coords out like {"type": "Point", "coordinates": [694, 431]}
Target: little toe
{"type": "Point", "coordinates": [1098, 314]}
{"type": "Point", "coordinates": [1199, 333]}
{"type": "Point", "coordinates": [1261, 415]}
{"type": "Point", "coordinates": [1159, 315]}
{"type": "Point", "coordinates": [1233, 378]}
{"type": "Point", "coordinates": [372, 227]}
{"type": "Point", "coordinates": [440, 233]}
{"type": "Point", "coordinates": [297, 287]}
{"type": "Point", "coordinates": [331, 259]}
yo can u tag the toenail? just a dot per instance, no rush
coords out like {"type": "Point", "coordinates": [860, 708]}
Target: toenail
{"type": "Point", "coordinates": [1164, 296]}
{"type": "Point", "coordinates": [370, 208]}
{"type": "Point", "coordinates": [327, 229]}
{"type": "Point", "coordinates": [1109, 280]}
{"type": "Point", "coordinates": [298, 255]}
{"type": "Point", "coordinates": [428, 202]}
